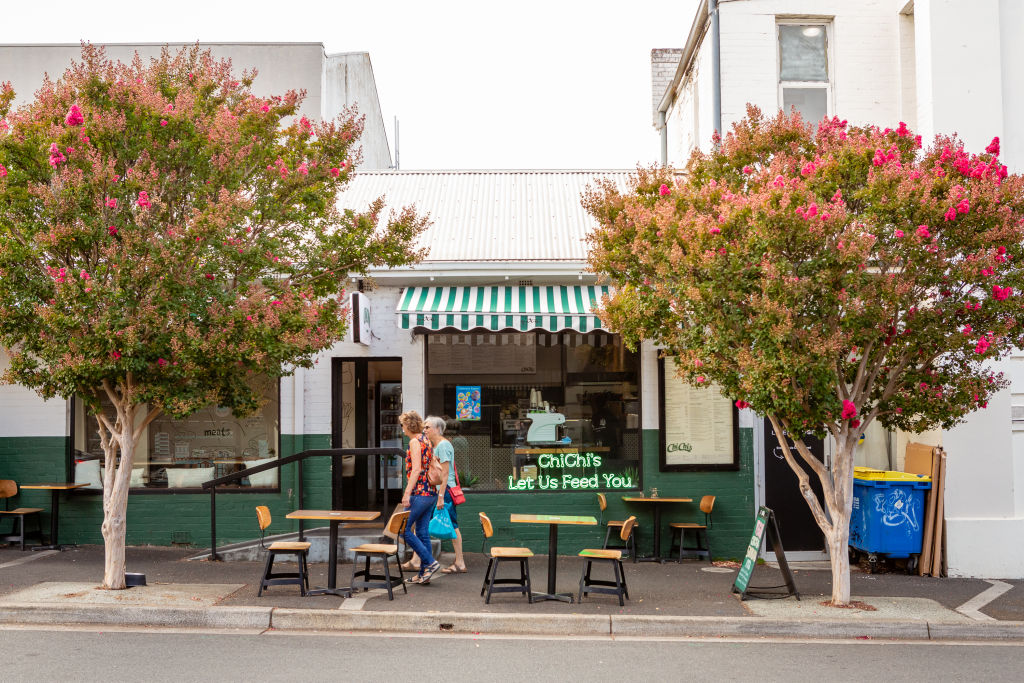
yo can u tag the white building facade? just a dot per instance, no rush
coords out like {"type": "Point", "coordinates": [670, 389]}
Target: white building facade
{"type": "Point", "coordinates": [941, 66]}
{"type": "Point", "coordinates": [332, 81]}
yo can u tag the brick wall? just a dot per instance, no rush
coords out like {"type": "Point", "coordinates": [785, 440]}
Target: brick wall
{"type": "Point", "coordinates": [161, 519]}
{"type": "Point", "coordinates": [864, 58]}
{"type": "Point", "coordinates": [733, 515]}
{"type": "Point", "coordinates": [663, 68]}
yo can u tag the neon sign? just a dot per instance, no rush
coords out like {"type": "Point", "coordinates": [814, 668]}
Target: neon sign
{"type": "Point", "coordinates": [546, 481]}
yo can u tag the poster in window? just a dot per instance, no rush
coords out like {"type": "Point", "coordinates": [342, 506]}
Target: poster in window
{"type": "Point", "coordinates": [467, 403]}
{"type": "Point", "coordinates": [699, 426]}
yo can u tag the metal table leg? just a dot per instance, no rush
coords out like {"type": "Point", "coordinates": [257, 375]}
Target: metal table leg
{"type": "Point", "coordinates": [553, 569]}
{"type": "Point", "coordinates": [657, 537]}
{"type": "Point", "coordinates": [332, 568]}
{"type": "Point", "coordinates": [54, 525]}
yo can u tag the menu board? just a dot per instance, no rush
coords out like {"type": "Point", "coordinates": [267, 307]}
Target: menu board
{"type": "Point", "coordinates": [698, 425]}
{"type": "Point", "coordinates": [471, 354]}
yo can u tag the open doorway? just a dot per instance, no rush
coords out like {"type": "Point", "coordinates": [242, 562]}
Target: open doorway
{"type": "Point", "coordinates": [777, 488]}
{"type": "Point", "coordinates": [366, 403]}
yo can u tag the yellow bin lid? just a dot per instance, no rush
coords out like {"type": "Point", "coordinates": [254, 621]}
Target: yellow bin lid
{"type": "Point", "coordinates": [871, 474]}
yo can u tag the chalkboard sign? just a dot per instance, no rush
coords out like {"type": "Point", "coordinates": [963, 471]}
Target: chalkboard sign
{"type": "Point", "coordinates": [764, 522]}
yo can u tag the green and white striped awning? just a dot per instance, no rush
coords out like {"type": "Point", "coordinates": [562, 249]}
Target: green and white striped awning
{"type": "Point", "coordinates": [551, 308]}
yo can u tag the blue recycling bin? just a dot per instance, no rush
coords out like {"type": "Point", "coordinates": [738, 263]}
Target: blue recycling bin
{"type": "Point", "coordinates": [888, 513]}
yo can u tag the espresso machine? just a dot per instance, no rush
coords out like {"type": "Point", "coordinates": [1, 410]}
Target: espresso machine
{"type": "Point", "coordinates": [545, 429]}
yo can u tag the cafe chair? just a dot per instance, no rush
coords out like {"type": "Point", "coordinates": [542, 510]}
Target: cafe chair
{"type": "Point", "coordinates": [298, 548]}
{"type": "Point", "coordinates": [9, 489]}
{"type": "Point", "coordinates": [496, 556]}
{"type": "Point", "coordinates": [363, 578]}
{"type": "Point", "coordinates": [591, 555]}
{"type": "Point", "coordinates": [679, 529]}
{"type": "Point", "coordinates": [630, 543]}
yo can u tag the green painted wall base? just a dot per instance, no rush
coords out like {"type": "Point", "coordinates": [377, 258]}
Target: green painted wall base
{"type": "Point", "coordinates": [165, 519]}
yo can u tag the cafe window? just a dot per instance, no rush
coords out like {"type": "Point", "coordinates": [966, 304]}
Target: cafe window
{"type": "Point", "coordinates": [182, 454]}
{"type": "Point", "coordinates": [804, 78]}
{"type": "Point", "coordinates": [538, 411]}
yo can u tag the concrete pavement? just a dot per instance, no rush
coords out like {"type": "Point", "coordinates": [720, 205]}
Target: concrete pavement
{"type": "Point", "coordinates": [688, 600]}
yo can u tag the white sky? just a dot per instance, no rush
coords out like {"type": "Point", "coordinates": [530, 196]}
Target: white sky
{"type": "Point", "coordinates": [527, 84]}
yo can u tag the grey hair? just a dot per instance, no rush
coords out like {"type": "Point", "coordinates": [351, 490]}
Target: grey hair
{"type": "Point", "coordinates": [436, 422]}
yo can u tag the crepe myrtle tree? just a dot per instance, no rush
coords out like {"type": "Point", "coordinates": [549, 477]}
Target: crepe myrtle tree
{"type": "Point", "coordinates": [167, 237]}
{"type": "Point", "coordinates": [825, 277]}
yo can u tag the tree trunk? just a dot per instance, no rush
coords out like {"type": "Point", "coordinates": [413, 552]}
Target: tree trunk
{"type": "Point", "coordinates": [840, 507]}
{"type": "Point", "coordinates": [839, 556]}
{"type": "Point", "coordinates": [837, 500]}
{"type": "Point", "coordinates": [116, 481]}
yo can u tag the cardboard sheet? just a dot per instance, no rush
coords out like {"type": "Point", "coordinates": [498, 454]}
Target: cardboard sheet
{"type": "Point", "coordinates": [918, 459]}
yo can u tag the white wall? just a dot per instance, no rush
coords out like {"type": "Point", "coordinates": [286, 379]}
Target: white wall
{"type": "Point", "coordinates": [1011, 29]}
{"type": "Point", "coordinates": [959, 72]}
{"type": "Point", "coordinates": [969, 83]}
{"type": "Point", "coordinates": [863, 56]}
{"type": "Point", "coordinates": [24, 413]}
{"type": "Point", "coordinates": [281, 66]}
{"type": "Point", "coordinates": [348, 80]}
{"type": "Point", "coordinates": [689, 117]}
{"type": "Point", "coordinates": [864, 62]}
{"type": "Point", "coordinates": [314, 385]}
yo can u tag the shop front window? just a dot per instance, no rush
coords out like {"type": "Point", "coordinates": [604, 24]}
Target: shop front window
{"type": "Point", "coordinates": [182, 454]}
{"type": "Point", "coordinates": [538, 411]}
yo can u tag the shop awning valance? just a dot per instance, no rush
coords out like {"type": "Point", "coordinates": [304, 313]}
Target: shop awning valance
{"type": "Point", "coordinates": [551, 308]}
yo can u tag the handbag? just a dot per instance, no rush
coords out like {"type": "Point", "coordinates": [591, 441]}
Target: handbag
{"type": "Point", "coordinates": [441, 525]}
{"type": "Point", "coordinates": [458, 497]}
{"type": "Point", "coordinates": [435, 472]}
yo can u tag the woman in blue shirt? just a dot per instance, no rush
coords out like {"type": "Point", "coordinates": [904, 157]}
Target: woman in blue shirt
{"type": "Point", "coordinates": [433, 428]}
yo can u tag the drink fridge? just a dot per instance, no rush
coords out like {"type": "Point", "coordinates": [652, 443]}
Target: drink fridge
{"type": "Point", "coordinates": [389, 431]}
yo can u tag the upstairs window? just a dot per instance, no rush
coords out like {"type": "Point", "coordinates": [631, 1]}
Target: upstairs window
{"type": "Point", "coordinates": [804, 79]}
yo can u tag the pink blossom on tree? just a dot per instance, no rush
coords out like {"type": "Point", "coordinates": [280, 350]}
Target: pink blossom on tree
{"type": "Point", "coordinates": [56, 157]}
{"type": "Point", "coordinates": [74, 117]}
{"type": "Point", "coordinates": [152, 319]}
{"type": "Point", "coordinates": [888, 338]}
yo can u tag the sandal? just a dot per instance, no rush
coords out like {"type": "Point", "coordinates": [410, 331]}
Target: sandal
{"type": "Point", "coordinates": [429, 572]}
{"type": "Point", "coordinates": [409, 567]}
{"type": "Point", "coordinates": [454, 569]}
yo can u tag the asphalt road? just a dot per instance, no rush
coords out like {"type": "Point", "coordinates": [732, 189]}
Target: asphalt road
{"type": "Point", "coordinates": [80, 655]}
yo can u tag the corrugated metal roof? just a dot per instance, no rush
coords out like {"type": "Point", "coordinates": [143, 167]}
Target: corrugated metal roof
{"type": "Point", "coordinates": [490, 215]}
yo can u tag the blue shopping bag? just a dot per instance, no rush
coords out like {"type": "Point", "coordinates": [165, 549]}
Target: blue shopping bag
{"type": "Point", "coordinates": [441, 525]}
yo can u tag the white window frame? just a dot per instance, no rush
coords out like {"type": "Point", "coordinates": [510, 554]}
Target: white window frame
{"type": "Point", "coordinates": [825, 23]}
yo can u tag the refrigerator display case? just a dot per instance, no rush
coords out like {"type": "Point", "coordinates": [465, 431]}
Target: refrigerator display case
{"type": "Point", "coordinates": [389, 431]}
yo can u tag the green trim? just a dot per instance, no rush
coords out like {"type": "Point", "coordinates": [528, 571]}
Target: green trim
{"type": "Point", "coordinates": [165, 519]}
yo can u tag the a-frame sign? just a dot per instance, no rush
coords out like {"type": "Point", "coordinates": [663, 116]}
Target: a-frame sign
{"type": "Point", "coordinates": [765, 521]}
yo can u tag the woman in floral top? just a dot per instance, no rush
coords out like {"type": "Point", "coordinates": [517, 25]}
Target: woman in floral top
{"type": "Point", "coordinates": [419, 498]}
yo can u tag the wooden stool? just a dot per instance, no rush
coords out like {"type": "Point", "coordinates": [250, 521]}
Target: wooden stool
{"type": "Point", "coordinates": [492, 584]}
{"type": "Point", "coordinates": [591, 555]}
{"type": "Point", "coordinates": [9, 489]}
{"type": "Point", "coordinates": [383, 551]}
{"type": "Point", "coordinates": [297, 548]}
{"type": "Point", "coordinates": [616, 525]}
{"type": "Point", "coordinates": [679, 529]}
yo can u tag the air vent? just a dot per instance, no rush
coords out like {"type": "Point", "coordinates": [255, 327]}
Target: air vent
{"type": "Point", "coordinates": [526, 283]}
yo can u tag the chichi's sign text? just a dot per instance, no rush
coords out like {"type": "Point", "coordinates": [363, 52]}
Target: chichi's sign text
{"type": "Point", "coordinates": [549, 481]}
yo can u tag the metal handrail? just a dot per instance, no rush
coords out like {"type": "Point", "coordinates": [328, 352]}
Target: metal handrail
{"type": "Point", "coordinates": [336, 454]}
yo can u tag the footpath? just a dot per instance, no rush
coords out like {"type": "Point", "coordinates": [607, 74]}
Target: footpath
{"type": "Point", "coordinates": [692, 599]}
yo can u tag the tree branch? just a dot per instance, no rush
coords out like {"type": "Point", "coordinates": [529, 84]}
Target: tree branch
{"type": "Point", "coordinates": [150, 416]}
{"type": "Point", "coordinates": [803, 481]}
